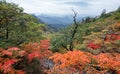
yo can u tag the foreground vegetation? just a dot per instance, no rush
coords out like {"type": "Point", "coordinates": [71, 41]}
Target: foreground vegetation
{"type": "Point", "coordinates": [88, 47]}
{"type": "Point", "coordinates": [35, 58]}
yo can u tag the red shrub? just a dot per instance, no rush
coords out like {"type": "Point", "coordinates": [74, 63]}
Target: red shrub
{"type": "Point", "coordinates": [91, 45]}
{"type": "Point", "coordinates": [107, 60]}
{"type": "Point", "coordinates": [112, 37]}
{"type": "Point", "coordinates": [6, 52]}
{"type": "Point", "coordinates": [22, 53]}
{"type": "Point", "coordinates": [36, 50]}
{"type": "Point", "coordinates": [44, 44]}
{"type": "Point", "coordinates": [33, 55]}
{"type": "Point", "coordinates": [74, 59]}
{"type": "Point", "coordinates": [7, 66]}
{"type": "Point", "coordinates": [15, 55]}
{"type": "Point", "coordinates": [13, 49]}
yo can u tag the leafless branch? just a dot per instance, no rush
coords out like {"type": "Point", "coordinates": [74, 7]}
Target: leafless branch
{"type": "Point", "coordinates": [74, 30]}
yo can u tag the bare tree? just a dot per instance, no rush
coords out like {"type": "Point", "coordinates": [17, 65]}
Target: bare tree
{"type": "Point", "coordinates": [74, 30]}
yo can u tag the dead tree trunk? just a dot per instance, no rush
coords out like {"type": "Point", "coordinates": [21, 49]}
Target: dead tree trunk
{"type": "Point", "coordinates": [74, 30]}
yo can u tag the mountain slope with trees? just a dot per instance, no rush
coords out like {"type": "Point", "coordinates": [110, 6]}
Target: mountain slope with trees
{"type": "Point", "coordinates": [88, 47]}
{"type": "Point", "coordinates": [89, 30]}
{"type": "Point", "coordinates": [17, 27]}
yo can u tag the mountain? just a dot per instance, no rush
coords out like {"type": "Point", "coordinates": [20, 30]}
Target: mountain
{"type": "Point", "coordinates": [55, 22]}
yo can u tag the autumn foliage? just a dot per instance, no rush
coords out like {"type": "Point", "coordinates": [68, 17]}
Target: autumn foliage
{"type": "Point", "coordinates": [37, 50]}
{"type": "Point", "coordinates": [67, 63]}
{"type": "Point", "coordinates": [112, 37]}
{"type": "Point", "coordinates": [109, 61]}
{"type": "Point", "coordinates": [13, 55]}
{"type": "Point", "coordinates": [80, 62]}
{"type": "Point", "coordinates": [92, 45]}
{"type": "Point", "coordinates": [71, 58]}
{"type": "Point", "coordinates": [8, 58]}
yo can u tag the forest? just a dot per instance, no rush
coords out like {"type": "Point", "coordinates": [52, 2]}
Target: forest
{"type": "Point", "coordinates": [28, 46]}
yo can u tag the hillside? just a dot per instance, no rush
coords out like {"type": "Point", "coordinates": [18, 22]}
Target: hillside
{"type": "Point", "coordinates": [17, 27]}
{"type": "Point", "coordinates": [102, 32]}
{"type": "Point", "coordinates": [28, 46]}
{"type": "Point", "coordinates": [89, 31]}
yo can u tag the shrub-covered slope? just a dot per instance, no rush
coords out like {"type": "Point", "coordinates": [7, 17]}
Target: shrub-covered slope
{"type": "Point", "coordinates": [91, 34]}
{"type": "Point", "coordinates": [17, 27]}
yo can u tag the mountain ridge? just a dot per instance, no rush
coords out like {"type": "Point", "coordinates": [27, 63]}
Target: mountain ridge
{"type": "Point", "coordinates": [56, 22]}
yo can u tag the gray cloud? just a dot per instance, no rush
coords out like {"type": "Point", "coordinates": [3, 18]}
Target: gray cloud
{"type": "Point", "coordinates": [63, 7]}
{"type": "Point", "coordinates": [82, 4]}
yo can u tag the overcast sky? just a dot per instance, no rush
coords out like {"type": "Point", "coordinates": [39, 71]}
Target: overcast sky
{"type": "Point", "coordinates": [64, 7]}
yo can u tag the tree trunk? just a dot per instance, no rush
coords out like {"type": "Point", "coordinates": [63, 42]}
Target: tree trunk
{"type": "Point", "coordinates": [7, 30]}
{"type": "Point", "coordinates": [65, 47]}
{"type": "Point", "coordinates": [74, 31]}
{"type": "Point", "coordinates": [7, 33]}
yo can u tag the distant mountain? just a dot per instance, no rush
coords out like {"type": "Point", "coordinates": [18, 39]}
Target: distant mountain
{"type": "Point", "coordinates": [55, 22]}
{"type": "Point", "coordinates": [37, 18]}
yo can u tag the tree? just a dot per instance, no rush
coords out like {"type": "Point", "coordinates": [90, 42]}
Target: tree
{"type": "Point", "coordinates": [8, 12]}
{"type": "Point", "coordinates": [74, 31]}
{"type": "Point", "coordinates": [66, 38]}
{"type": "Point", "coordinates": [17, 27]}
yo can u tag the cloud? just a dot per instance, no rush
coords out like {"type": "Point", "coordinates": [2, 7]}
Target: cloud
{"type": "Point", "coordinates": [82, 4]}
{"type": "Point", "coordinates": [63, 7]}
